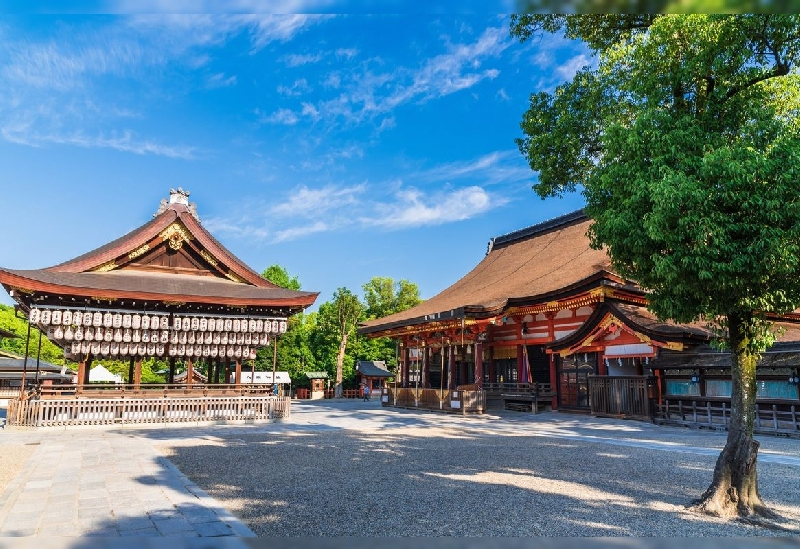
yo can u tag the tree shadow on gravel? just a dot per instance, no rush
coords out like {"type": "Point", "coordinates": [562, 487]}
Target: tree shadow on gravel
{"type": "Point", "coordinates": [422, 483]}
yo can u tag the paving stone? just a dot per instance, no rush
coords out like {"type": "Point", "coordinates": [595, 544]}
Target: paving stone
{"type": "Point", "coordinates": [173, 525]}
{"type": "Point", "coordinates": [213, 529]}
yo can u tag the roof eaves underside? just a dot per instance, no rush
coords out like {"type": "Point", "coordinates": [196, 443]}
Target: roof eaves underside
{"type": "Point", "coordinates": [539, 264]}
{"type": "Point", "coordinates": [155, 287]}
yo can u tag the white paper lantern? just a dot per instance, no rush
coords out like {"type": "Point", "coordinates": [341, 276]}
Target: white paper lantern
{"type": "Point", "coordinates": [118, 334]}
{"type": "Point", "coordinates": [108, 320]}
{"type": "Point", "coordinates": [282, 327]}
{"type": "Point", "coordinates": [251, 325]}
{"type": "Point", "coordinates": [58, 333]}
{"type": "Point", "coordinates": [186, 324]}
{"type": "Point", "coordinates": [252, 354]}
{"type": "Point", "coordinates": [66, 318]}
{"type": "Point", "coordinates": [236, 324]}
{"type": "Point", "coordinates": [142, 349]}
{"type": "Point", "coordinates": [195, 324]}
{"type": "Point", "coordinates": [173, 338]}
{"type": "Point", "coordinates": [223, 340]}
{"type": "Point", "coordinates": [145, 336]}
{"type": "Point", "coordinates": [115, 346]}
{"type": "Point", "coordinates": [151, 349]}
{"type": "Point", "coordinates": [190, 350]}
{"type": "Point", "coordinates": [245, 351]}
{"type": "Point", "coordinates": [240, 338]}
{"type": "Point", "coordinates": [229, 351]}
{"type": "Point", "coordinates": [145, 322]}
{"type": "Point", "coordinates": [206, 351]}
{"type": "Point", "coordinates": [203, 324]}
{"type": "Point", "coordinates": [155, 322]}
{"type": "Point", "coordinates": [76, 347]}
{"type": "Point", "coordinates": [212, 324]}
{"type": "Point", "coordinates": [126, 321]}
{"type": "Point", "coordinates": [190, 338]}
{"type": "Point", "coordinates": [248, 338]}
{"type": "Point", "coordinates": [172, 350]}
{"type": "Point", "coordinates": [198, 351]}
{"type": "Point", "coordinates": [97, 319]}
{"type": "Point", "coordinates": [86, 347]}
{"type": "Point", "coordinates": [44, 318]}
{"type": "Point", "coordinates": [136, 336]}
{"type": "Point", "coordinates": [176, 323]}
{"type": "Point", "coordinates": [160, 349]}
{"type": "Point", "coordinates": [116, 322]}
{"type": "Point", "coordinates": [136, 322]}
{"type": "Point", "coordinates": [207, 337]}
{"type": "Point", "coordinates": [126, 335]}
{"type": "Point", "coordinates": [220, 325]}
{"type": "Point", "coordinates": [34, 316]}
{"type": "Point", "coordinates": [95, 347]}
{"type": "Point", "coordinates": [78, 318]}
{"type": "Point", "coordinates": [216, 338]}
{"type": "Point", "coordinates": [105, 348]}
{"type": "Point", "coordinates": [262, 339]}
{"type": "Point", "coordinates": [228, 324]}
{"type": "Point", "coordinates": [275, 326]}
{"type": "Point", "coordinates": [238, 351]}
{"type": "Point", "coordinates": [123, 349]}
{"type": "Point", "coordinates": [163, 322]}
{"type": "Point", "coordinates": [214, 350]}
{"type": "Point", "coordinates": [259, 326]}
{"type": "Point", "coordinates": [88, 334]}
{"type": "Point", "coordinates": [78, 336]}
{"type": "Point", "coordinates": [181, 350]}
{"type": "Point", "coordinates": [55, 317]}
{"type": "Point", "coordinates": [87, 319]}
{"type": "Point", "coordinates": [69, 334]}
{"type": "Point", "coordinates": [108, 336]}
{"type": "Point", "coordinates": [182, 337]}
{"type": "Point", "coordinates": [164, 336]}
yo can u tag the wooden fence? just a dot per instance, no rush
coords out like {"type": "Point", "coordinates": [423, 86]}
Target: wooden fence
{"type": "Point", "coordinates": [121, 411]}
{"type": "Point", "coordinates": [771, 418]}
{"type": "Point", "coordinates": [460, 401]}
{"type": "Point", "coordinates": [619, 396]}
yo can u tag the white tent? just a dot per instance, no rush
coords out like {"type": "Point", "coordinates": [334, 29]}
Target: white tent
{"type": "Point", "coordinates": [101, 374]}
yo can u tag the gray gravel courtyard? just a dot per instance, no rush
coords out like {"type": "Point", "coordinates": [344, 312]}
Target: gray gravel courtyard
{"type": "Point", "coordinates": [345, 468]}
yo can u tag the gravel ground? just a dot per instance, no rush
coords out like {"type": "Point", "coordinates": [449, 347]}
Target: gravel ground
{"type": "Point", "coordinates": [339, 473]}
{"type": "Point", "coordinates": [12, 458]}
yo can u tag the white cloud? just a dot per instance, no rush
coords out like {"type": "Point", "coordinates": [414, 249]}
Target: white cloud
{"type": "Point", "coordinates": [219, 81]}
{"type": "Point", "coordinates": [307, 202]}
{"type": "Point", "coordinates": [297, 232]}
{"type": "Point", "coordinates": [489, 169]}
{"type": "Point", "coordinates": [346, 53]}
{"type": "Point", "coordinates": [297, 60]}
{"type": "Point", "coordinates": [568, 69]}
{"type": "Point", "coordinates": [298, 87]}
{"type": "Point", "coordinates": [281, 116]}
{"type": "Point", "coordinates": [412, 208]}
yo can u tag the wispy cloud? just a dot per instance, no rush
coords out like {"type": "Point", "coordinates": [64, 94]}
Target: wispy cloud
{"type": "Point", "coordinates": [297, 60]}
{"type": "Point", "coordinates": [298, 87]}
{"type": "Point", "coordinates": [219, 81]}
{"type": "Point", "coordinates": [313, 202]}
{"type": "Point", "coordinates": [489, 169]}
{"type": "Point", "coordinates": [298, 232]}
{"type": "Point", "coordinates": [281, 116]}
{"type": "Point", "coordinates": [413, 208]}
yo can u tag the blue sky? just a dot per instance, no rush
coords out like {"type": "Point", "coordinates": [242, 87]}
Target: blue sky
{"type": "Point", "coordinates": [340, 146]}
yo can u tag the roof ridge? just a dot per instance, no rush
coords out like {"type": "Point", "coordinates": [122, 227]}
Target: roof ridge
{"type": "Point", "coordinates": [537, 229]}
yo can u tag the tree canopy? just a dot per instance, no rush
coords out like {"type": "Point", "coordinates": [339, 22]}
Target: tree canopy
{"type": "Point", "coordinates": [683, 136]}
{"type": "Point", "coordinates": [280, 277]}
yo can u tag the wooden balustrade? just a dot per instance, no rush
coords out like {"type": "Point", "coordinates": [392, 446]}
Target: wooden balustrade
{"type": "Point", "coordinates": [771, 417]}
{"type": "Point", "coordinates": [436, 399]}
{"type": "Point", "coordinates": [103, 411]}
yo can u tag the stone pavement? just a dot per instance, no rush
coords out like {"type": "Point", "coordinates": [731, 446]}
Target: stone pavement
{"type": "Point", "coordinates": [112, 481]}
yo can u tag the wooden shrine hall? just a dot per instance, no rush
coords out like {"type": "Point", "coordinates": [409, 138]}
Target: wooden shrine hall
{"type": "Point", "coordinates": [543, 322]}
{"type": "Point", "coordinates": [168, 291]}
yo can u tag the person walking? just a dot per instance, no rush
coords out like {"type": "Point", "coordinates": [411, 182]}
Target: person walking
{"type": "Point", "coordinates": [366, 393]}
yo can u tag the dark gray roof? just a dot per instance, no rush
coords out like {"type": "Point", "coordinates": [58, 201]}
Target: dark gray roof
{"type": "Point", "coordinates": [6, 333]}
{"type": "Point", "coordinates": [373, 368]}
{"type": "Point", "coordinates": [16, 365]}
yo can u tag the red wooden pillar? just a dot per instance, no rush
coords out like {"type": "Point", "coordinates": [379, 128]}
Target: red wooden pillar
{"type": "Point", "coordinates": [238, 378]}
{"type": "Point", "coordinates": [492, 373]}
{"type": "Point", "coordinates": [406, 366]}
{"type": "Point", "coordinates": [554, 381]}
{"type": "Point", "coordinates": [137, 373]}
{"type": "Point", "coordinates": [189, 372]}
{"type": "Point", "coordinates": [479, 365]}
{"type": "Point", "coordinates": [81, 372]}
{"type": "Point", "coordinates": [426, 367]}
{"type": "Point", "coordinates": [521, 374]}
{"type": "Point", "coordinates": [602, 369]}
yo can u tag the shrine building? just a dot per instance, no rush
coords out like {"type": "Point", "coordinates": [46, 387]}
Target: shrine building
{"type": "Point", "coordinates": [544, 322]}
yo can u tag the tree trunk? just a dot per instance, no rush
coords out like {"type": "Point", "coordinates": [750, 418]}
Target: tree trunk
{"type": "Point", "coordinates": [338, 391]}
{"type": "Point", "coordinates": [734, 488]}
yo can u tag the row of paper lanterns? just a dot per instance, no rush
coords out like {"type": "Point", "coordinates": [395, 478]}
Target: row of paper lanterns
{"type": "Point", "coordinates": [111, 349]}
{"type": "Point", "coordinates": [136, 321]}
{"type": "Point", "coordinates": [119, 335]}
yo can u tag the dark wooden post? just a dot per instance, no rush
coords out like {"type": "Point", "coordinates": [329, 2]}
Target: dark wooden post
{"type": "Point", "coordinates": [189, 372]}
{"type": "Point", "coordinates": [171, 378]}
{"type": "Point", "coordinates": [492, 373]}
{"type": "Point", "coordinates": [479, 365]}
{"type": "Point", "coordinates": [406, 366]}
{"type": "Point", "coordinates": [87, 367]}
{"type": "Point", "coordinates": [554, 381]}
{"type": "Point", "coordinates": [426, 367]}
{"type": "Point", "coordinates": [130, 370]}
{"type": "Point", "coordinates": [137, 373]}
{"type": "Point", "coordinates": [451, 369]}
{"type": "Point", "coordinates": [521, 377]}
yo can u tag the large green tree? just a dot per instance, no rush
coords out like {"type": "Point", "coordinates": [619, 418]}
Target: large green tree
{"type": "Point", "coordinates": [684, 138]}
{"type": "Point", "coordinates": [337, 321]}
{"type": "Point", "coordinates": [383, 297]}
{"type": "Point", "coordinates": [279, 276]}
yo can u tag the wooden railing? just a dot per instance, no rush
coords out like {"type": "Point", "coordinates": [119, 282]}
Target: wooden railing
{"type": "Point", "coordinates": [619, 396]}
{"type": "Point", "coordinates": [459, 401]}
{"type": "Point", "coordinates": [715, 412]}
{"type": "Point", "coordinates": [100, 411]}
{"type": "Point", "coordinates": [160, 390]}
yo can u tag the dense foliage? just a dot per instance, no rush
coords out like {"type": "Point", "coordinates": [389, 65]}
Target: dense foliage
{"type": "Point", "coordinates": [684, 137]}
